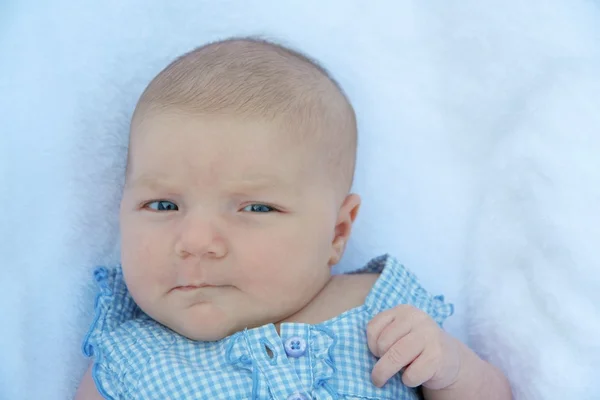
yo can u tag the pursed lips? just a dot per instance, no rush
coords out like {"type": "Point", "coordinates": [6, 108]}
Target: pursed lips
{"type": "Point", "coordinates": [188, 288]}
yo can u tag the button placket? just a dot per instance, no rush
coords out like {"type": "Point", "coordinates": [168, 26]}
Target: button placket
{"type": "Point", "coordinates": [276, 370]}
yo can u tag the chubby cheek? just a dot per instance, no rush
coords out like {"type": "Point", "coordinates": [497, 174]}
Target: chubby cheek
{"type": "Point", "coordinates": [281, 266]}
{"type": "Point", "coordinates": [255, 266]}
{"type": "Point", "coordinates": [145, 264]}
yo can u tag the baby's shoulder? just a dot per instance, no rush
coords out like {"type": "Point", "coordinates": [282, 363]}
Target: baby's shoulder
{"type": "Point", "coordinates": [342, 293]}
{"type": "Point", "coordinates": [353, 287]}
{"type": "Point", "coordinates": [345, 292]}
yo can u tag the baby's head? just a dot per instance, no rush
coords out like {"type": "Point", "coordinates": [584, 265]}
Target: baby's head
{"type": "Point", "coordinates": [236, 202]}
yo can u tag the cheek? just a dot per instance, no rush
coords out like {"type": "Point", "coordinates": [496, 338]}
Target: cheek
{"type": "Point", "coordinates": [258, 261]}
{"type": "Point", "coordinates": [136, 245]}
{"type": "Point", "coordinates": [144, 255]}
{"type": "Point", "coordinates": [142, 236]}
{"type": "Point", "coordinates": [282, 259]}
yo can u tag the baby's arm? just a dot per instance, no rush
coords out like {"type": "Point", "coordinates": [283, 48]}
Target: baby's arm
{"type": "Point", "coordinates": [87, 388]}
{"type": "Point", "coordinates": [407, 339]}
{"type": "Point", "coordinates": [476, 379]}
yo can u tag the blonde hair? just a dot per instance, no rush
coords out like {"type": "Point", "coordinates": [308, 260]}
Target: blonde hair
{"type": "Point", "coordinates": [252, 77]}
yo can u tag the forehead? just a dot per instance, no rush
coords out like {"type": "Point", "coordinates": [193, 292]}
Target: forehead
{"type": "Point", "coordinates": [218, 131]}
{"type": "Point", "coordinates": [215, 147]}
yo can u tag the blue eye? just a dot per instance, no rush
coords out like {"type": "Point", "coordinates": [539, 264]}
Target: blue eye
{"type": "Point", "coordinates": [161, 205]}
{"type": "Point", "coordinates": [258, 208]}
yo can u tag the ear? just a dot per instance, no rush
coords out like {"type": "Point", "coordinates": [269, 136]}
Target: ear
{"type": "Point", "coordinates": [343, 227]}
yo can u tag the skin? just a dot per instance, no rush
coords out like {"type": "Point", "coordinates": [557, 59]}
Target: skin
{"type": "Point", "coordinates": [212, 232]}
{"type": "Point", "coordinates": [250, 232]}
{"type": "Point", "coordinates": [409, 341]}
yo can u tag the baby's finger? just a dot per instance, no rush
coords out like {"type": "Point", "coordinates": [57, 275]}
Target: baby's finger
{"type": "Point", "coordinates": [376, 326]}
{"type": "Point", "coordinates": [421, 370]}
{"type": "Point", "coordinates": [391, 333]}
{"type": "Point", "coordinates": [402, 353]}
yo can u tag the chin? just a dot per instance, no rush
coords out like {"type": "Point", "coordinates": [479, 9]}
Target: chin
{"type": "Point", "coordinates": [206, 332]}
{"type": "Point", "coordinates": [207, 336]}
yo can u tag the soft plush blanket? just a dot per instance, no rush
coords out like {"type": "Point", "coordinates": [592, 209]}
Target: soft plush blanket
{"type": "Point", "coordinates": [479, 163]}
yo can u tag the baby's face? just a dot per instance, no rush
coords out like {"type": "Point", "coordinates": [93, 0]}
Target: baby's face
{"type": "Point", "coordinates": [224, 224]}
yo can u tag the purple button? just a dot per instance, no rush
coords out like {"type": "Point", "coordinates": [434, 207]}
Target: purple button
{"type": "Point", "coordinates": [297, 396]}
{"type": "Point", "coordinates": [295, 347]}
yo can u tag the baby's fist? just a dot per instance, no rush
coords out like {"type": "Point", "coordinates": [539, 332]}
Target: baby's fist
{"type": "Point", "coordinates": [405, 337]}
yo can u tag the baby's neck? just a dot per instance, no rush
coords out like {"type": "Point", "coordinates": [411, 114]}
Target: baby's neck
{"type": "Point", "coordinates": [342, 293]}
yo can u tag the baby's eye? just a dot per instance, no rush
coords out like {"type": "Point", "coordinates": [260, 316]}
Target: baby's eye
{"type": "Point", "coordinates": [258, 208]}
{"type": "Point", "coordinates": [161, 205]}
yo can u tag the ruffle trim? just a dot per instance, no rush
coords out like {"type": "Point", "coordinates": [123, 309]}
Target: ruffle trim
{"type": "Point", "coordinates": [324, 368]}
{"type": "Point", "coordinates": [112, 307]}
{"type": "Point", "coordinates": [397, 285]}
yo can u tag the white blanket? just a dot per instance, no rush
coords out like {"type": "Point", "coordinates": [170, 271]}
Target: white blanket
{"type": "Point", "coordinates": [479, 163]}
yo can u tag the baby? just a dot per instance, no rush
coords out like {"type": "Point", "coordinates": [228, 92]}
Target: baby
{"type": "Point", "coordinates": [235, 208]}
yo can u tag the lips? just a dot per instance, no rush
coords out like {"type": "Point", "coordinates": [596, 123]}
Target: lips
{"type": "Point", "coordinates": [189, 288]}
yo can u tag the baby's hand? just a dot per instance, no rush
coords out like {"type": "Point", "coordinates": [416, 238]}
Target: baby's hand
{"type": "Point", "coordinates": [405, 337]}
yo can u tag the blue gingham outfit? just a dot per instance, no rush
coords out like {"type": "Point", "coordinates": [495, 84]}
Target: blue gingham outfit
{"type": "Point", "coordinates": [135, 357]}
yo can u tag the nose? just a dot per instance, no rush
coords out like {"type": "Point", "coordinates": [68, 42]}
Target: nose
{"type": "Point", "coordinates": [198, 237]}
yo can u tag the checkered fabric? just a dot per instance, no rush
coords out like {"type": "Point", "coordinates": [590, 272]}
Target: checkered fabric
{"type": "Point", "coordinates": [137, 358]}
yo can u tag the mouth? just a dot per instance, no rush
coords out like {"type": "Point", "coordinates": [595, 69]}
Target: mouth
{"type": "Point", "coordinates": [189, 288]}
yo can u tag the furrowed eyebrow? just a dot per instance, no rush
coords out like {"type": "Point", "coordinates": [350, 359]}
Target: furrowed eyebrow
{"type": "Point", "coordinates": [253, 183]}
{"type": "Point", "coordinates": [248, 183]}
{"type": "Point", "coordinates": [259, 182]}
{"type": "Point", "coordinates": [149, 181]}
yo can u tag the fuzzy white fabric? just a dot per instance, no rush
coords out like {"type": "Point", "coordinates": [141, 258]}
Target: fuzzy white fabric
{"type": "Point", "coordinates": [479, 163]}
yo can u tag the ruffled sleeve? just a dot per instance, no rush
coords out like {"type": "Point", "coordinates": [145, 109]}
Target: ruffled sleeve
{"type": "Point", "coordinates": [113, 307]}
{"type": "Point", "coordinates": [397, 285]}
